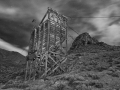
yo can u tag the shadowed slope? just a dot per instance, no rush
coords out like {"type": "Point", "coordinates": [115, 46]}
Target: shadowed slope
{"type": "Point", "coordinates": [10, 63]}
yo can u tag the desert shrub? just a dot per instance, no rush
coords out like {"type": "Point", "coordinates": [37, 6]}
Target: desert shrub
{"type": "Point", "coordinates": [89, 68]}
{"type": "Point", "coordinates": [78, 54]}
{"type": "Point", "coordinates": [114, 74]}
{"type": "Point", "coordinates": [96, 84]}
{"type": "Point", "coordinates": [102, 66]}
{"type": "Point", "coordinates": [20, 86]}
{"type": "Point", "coordinates": [92, 63]}
{"type": "Point", "coordinates": [99, 85]}
{"type": "Point", "coordinates": [18, 78]}
{"type": "Point", "coordinates": [112, 69]}
{"type": "Point", "coordinates": [10, 82]}
{"type": "Point", "coordinates": [60, 87]}
{"type": "Point", "coordinates": [94, 77]}
{"type": "Point", "coordinates": [90, 83]}
{"type": "Point", "coordinates": [15, 84]}
{"type": "Point", "coordinates": [66, 78]}
{"type": "Point", "coordinates": [110, 60]}
{"type": "Point", "coordinates": [116, 62]}
{"type": "Point", "coordinates": [115, 86]}
{"type": "Point", "coordinates": [71, 82]}
{"type": "Point", "coordinates": [72, 77]}
{"type": "Point", "coordinates": [118, 66]}
{"type": "Point", "coordinates": [69, 79]}
{"type": "Point", "coordinates": [82, 87]}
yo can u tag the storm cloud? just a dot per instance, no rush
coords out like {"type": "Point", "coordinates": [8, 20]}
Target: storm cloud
{"type": "Point", "coordinates": [16, 19]}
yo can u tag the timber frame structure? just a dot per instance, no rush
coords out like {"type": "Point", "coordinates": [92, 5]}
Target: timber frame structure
{"type": "Point", "coordinates": [48, 46]}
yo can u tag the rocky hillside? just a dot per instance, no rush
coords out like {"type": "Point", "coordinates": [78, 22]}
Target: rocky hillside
{"type": "Point", "coordinates": [83, 40]}
{"type": "Point", "coordinates": [10, 63]}
{"type": "Point", "coordinates": [85, 43]}
{"type": "Point", "coordinates": [91, 65]}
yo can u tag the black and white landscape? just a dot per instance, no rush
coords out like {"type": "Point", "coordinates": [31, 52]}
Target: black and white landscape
{"type": "Point", "coordinates": [93, 61]}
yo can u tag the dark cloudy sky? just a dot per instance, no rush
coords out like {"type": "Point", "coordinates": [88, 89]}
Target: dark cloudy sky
{"type": "Point", "coordinates": [16, 20]}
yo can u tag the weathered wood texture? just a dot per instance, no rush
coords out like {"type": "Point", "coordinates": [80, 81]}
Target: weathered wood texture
{"type": "Point", "coordinates": [46, 52]}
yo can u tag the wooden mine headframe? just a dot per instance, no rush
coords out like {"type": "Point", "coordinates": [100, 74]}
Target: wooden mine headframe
{"type": "Point", "coordinates": [48, 46]}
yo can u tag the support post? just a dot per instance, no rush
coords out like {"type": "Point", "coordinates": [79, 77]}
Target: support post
{"type": "Point", "coordinates": [48, 42]}
{"type": "Point", "coordinates": [66, 35]}
{"type": "Point", "coordinates": [26, 74]}
{"type": "Point", "coordinates": [30, 69]}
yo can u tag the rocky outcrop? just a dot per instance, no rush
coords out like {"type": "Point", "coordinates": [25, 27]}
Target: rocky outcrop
{"type": "Point", "coordinates": [85, 43]}
{"type": "Point", "coordinates": [83, 39]}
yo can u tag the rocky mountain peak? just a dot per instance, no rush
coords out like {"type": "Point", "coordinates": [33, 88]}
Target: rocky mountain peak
{"type": "Point", "coordinates": [83, 39]}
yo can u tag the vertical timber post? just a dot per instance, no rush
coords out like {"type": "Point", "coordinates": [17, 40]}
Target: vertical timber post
{"type": "Point", "coordinates": [29, 70]}
{"type": "Point", "coordinates": [26, 73]}
{"type": "Point", "coordinates": [39, 50]}
{"type": "Point", "coordinates": [55, 39]}
{"type": "Point", "coordinates": [66, 36]}
{"type": "Point", "coordinates": [60, 32]}
{"type": "Point", "coordinates": [48, 42]}
{"type": "Point", "coordinates": [35, 48]}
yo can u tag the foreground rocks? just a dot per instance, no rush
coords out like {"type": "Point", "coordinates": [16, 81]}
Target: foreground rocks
{"type": "Point", "coordinates": [90, 80]}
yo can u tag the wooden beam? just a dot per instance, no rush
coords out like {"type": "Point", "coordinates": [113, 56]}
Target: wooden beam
{"type": "Point", "coordinates": [52, 59]}
{"type": "Point", "coordinates": [58, 65]}
{"type": "Point", "coordinates": [30, 70]}
{"type": "Point", "coordinates": [27, 68]}
{"type": "Point", "coordinates": [43, 17]}
{"type": "Point", "coordinates": [66, 35]}
{"type": "Point", "coordinates": [48, 42]}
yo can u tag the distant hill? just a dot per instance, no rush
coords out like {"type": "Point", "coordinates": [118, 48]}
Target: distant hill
{"type": "Point", "coordinates": [10, 63]}
{"type": "Point", "coordinates": [85, 43]}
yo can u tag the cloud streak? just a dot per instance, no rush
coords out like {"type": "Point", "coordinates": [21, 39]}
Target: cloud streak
{"type": "Point", "coordinates": [9, 47]}
{"type": "Point", "coordinates": [8, 10]}
{"type": "Point", "coordinates": [110, 32]}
